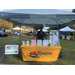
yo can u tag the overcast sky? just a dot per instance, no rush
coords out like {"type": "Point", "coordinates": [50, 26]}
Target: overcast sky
{"type": "Point", "coordinates": [58, 9]}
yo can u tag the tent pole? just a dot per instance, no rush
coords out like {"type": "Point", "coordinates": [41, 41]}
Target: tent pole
{"type": "Point", "coordinates": [73, 35]}
{"type": "Point", "coordinates": [20, 37]}
{"type": "Point", "coordinates": [20, 29]}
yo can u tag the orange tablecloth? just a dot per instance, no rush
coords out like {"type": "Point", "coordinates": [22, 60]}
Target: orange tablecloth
{"type": "Point", "coordinates": [40, 53]}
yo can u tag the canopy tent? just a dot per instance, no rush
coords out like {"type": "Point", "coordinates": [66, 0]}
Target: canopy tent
{"type": "Point", "coordinates": [43, 30]}
{"type": "Point", "coordinates": [17, 28]}
{"type": "Point", "coordinates": [39, 18]}
{"type": "Point", "coordinates": [67, 29]}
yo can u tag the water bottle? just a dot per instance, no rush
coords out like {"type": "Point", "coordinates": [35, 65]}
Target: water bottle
{"type": "Point", "coordinates": [23, 43]}
{"type": "Point", "coordinates": [27, 43]}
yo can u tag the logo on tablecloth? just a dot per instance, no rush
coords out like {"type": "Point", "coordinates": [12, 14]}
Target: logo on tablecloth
{"type": "Point", "coordinates": [34, 54]}
{"type": "Point", "coordinates": [37, 54]}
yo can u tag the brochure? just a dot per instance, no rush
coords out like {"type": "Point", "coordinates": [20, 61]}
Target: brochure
{"type": "Point", "coordinates": [39, 42]}
{"type": "Point", "coordinates": [33, 42]}
{"type": "Point", "coordinates": [45, 42]}
{"type": "Point", "coordinates": [23, 43]}
{"type": "Point", "coordinates": [27, 43]}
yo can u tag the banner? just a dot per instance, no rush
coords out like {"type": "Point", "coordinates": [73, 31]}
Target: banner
{"type": "Point", "coordinates": [40, 53]}
{"type": "Point", "coordinates": [54, 37]}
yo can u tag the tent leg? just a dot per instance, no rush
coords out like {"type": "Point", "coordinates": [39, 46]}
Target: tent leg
{"type": "Point", "coordinates": [20, 37]}
{"type": "Point", "coordinates": [73, 35]}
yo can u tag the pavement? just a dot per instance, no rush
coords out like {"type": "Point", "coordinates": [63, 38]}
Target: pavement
{"type": "Point", "coordinates": [8, 64]}
{"type": "Point", "coordinates": [1, 55]}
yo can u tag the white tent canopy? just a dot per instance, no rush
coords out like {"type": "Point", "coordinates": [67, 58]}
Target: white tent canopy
{"type": "Point", "coordinates": [67, 29]}
{"type": "Point", "coordinates": [43, 30]}
{"type": "Point", "coordinates": [17, 28]}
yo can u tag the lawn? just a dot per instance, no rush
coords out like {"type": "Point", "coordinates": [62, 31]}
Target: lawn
{"type": "Point", "coordinates": [68, 51]}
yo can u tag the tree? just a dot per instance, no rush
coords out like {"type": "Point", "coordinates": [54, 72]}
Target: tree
{"type": "Point", "coordinates": [72, 26]}
{"type": "Point", "coordinates": [14, 25]}
{"type": "Point", "coordinates": [5, 23]}
{"type": "Point", "coordinates": [53, 28]}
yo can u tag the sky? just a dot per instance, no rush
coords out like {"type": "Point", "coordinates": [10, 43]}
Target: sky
{"type": "Point", "coordinates": [58, 9]}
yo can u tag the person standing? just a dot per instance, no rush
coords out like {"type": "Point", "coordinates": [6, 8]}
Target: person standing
{"type": "Point", "coordinates": [41, 35]}
{"type": "Point", "coordinates": [20, 31]}
{"type": "Point", "coordinates": [4, 30]}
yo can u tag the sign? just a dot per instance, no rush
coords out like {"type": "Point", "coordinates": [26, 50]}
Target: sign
{"type": "Point", "coordinates": [54, 37]}
{"type": "Point", "coordinates": [11, 49]}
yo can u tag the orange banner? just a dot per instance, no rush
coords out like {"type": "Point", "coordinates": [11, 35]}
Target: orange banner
{"type": "Point", "coordinates": [40, 53]}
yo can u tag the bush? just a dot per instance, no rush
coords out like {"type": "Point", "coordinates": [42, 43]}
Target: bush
{"type": "Point", "coordinates": [71, 33]}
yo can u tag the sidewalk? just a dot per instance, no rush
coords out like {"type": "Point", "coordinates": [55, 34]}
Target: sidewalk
{"type": "Point", "coordinates": [8, 64]}
{"type": "Point", "coordinates": [1, 55]}
{"type": "Point", "coordinates": [5, 64]}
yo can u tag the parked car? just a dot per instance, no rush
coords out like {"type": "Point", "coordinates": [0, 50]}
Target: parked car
{"type": "Point", "coordinates": [3, 34]}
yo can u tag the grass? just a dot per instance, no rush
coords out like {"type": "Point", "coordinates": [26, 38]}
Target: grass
{"type": "Point", "coordinates": [68, 51]}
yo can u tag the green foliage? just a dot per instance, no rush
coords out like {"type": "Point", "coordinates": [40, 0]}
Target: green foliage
{"type": "Point", "coordinates": [53, 28]}
{"type": "Point", "coordinates": [5, 23]}
{"type": "Point", "coordinates": [72, 26]}
{"type": "Point", "coordinates": [14, 25]}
